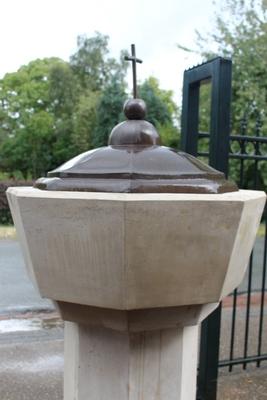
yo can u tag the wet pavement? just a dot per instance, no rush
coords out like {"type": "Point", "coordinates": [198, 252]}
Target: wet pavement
{"type": "Point", "coordinates": [31, 366]}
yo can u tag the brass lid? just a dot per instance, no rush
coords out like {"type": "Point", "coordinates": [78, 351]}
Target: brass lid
{"type": "Point", "coordinates": [134, 162]}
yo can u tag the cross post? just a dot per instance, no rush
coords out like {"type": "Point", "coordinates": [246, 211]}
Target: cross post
{"type": "Point", "coordinates": [134, 60]}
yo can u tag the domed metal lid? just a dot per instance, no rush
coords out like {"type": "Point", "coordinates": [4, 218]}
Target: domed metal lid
{"type": "Point", "coordinates": [134, 162]}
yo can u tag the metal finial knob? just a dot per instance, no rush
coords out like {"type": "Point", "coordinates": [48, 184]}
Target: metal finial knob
{"type": "Point", "coordinates": [135, 109]}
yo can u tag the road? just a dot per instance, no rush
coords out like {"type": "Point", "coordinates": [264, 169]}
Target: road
{"type": "Point", "coordinates": [17, 293]}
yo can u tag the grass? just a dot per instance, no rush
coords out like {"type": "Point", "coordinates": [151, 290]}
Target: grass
{"type": "Point", "coordinates": [7, 232]}
{"type": "Point", "coordinates": [261, 230]}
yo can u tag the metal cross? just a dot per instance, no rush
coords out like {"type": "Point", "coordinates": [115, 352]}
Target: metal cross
{"type": "Point", "coordinates": [134, 60]}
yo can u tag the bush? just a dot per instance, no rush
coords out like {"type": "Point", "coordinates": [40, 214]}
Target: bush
{"type": "Point", "coordinates": [5, 214]}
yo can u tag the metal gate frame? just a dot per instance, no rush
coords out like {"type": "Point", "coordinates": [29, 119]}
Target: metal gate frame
{"type": "Point", "coordinates": [248, 144]}
{"type": "Point", "coordinates": [219, 72]}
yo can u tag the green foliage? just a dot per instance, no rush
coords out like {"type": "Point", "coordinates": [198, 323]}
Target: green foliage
{"type": "Point", "coordinates": [157, 109]}
{"type": "Point", "coordinates": [109, 111]}
{"type": "Point", "coordinates": [52, 110]}
{"type": "Point", "coordinates": [170, 135]}
{"type": "Point", "coordinates": [102, 83]}
{"type": "Point", "coordinates": [5, 217]}
{"type": "Point", "coordinates": [92, 65]}
{"type": "Point", "coordinates": [29, 150]}
{"type": "Point", "coordinates": [240, 33]}
{"type": "Point", "coordinates": [84, 121]}
{"type": "Point", "coordinates": [5, 214]}
{"type": "Point", "coordinates": [26, 128]}
{"type": "Point", "coordinates": [161, 111]}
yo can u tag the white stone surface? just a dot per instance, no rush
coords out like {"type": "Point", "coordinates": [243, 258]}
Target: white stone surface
{"type": "Point", "coordinates": [134, 251]}
{"type": "Point", "coordinates": [102, 364]}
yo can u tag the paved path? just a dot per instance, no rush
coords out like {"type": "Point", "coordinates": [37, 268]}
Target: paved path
{"type": "Point", "coordinates": [245, 385]}
{"type": "Point", "coordinates": [31, 365]}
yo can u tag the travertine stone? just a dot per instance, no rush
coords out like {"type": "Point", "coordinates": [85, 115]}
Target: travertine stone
{"type": "Point", "coordinates": [102, 364]}
{"type": "Point", "coordinates": [133, 251]}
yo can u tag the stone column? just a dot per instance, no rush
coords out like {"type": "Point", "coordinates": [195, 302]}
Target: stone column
{"type": "Point", "coordinates": [102, 364]}
{"type": "Point", "coordinates": [131, 359]}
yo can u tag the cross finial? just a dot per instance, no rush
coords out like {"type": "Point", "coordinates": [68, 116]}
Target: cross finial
{"type": "Point", "coordinates": [134, 60]}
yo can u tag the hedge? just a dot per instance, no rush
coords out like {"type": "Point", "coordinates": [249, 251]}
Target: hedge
{"type": "Point", "coordinates": [5, 214]}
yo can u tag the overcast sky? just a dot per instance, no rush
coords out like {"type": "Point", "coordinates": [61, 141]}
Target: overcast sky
{"type": "Point", "coordinates": [31, 29]}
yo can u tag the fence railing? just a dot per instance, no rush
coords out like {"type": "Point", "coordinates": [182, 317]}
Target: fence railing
{"type": "Point", "coordinates": [241, 155]}
{"type": "Point", "coordinates": [256, 156]}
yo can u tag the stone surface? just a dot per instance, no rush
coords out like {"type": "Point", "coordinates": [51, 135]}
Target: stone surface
{"type": "Point", "coordinates": [136, 320]}
{"type": "Point", "coordinates": [105, 364]}
{"type": "Point", "coordinates": [134, 251]}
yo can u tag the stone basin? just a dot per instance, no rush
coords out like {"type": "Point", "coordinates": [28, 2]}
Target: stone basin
{"type": "Point", "coordinates": [136, 251]}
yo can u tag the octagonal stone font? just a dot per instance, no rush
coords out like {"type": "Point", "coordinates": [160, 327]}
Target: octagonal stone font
{"type": "Point", "coordinates": [133, 251]}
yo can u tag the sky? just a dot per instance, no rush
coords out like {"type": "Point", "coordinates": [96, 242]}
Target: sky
{"type": "Point", "coordinates": [33, 29]}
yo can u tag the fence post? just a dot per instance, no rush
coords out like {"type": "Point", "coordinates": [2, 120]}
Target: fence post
{"type": "Point", "coordinates": [219, 72]}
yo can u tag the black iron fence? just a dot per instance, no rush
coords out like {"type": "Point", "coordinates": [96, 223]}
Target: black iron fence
{"type": "Point", "coordinates": [250, 151]}
{"type": "Point", "coordinates": [241, 155]}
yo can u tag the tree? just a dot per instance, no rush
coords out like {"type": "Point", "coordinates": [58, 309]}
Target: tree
{"type": "Point", "coordinates": [64, 94]}
{"type": "Point", "coordinates": [52, 110]}
{"type": "Point", "coordinates": [240, 33]}
{"type": "Point", "coordinates": [161, 110]}
{"type": "Point", "coordinates": [26, 129]}
{"type": "Point", "coordinates": [29, 152]}
{"type": "Point", "coordinates": [109, 111]}
{"type": "Point", "coordinates": [84, 121]}
{"type": "Point", "coordinates": [38, 104]}
{"type": "Point", "coordinates": [93, 66]}
{"type": "Point", "coordinates": [102, 82]}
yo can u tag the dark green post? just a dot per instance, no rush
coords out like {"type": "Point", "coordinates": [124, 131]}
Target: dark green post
{"type": "Point", "coordinates": [219, 71]}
